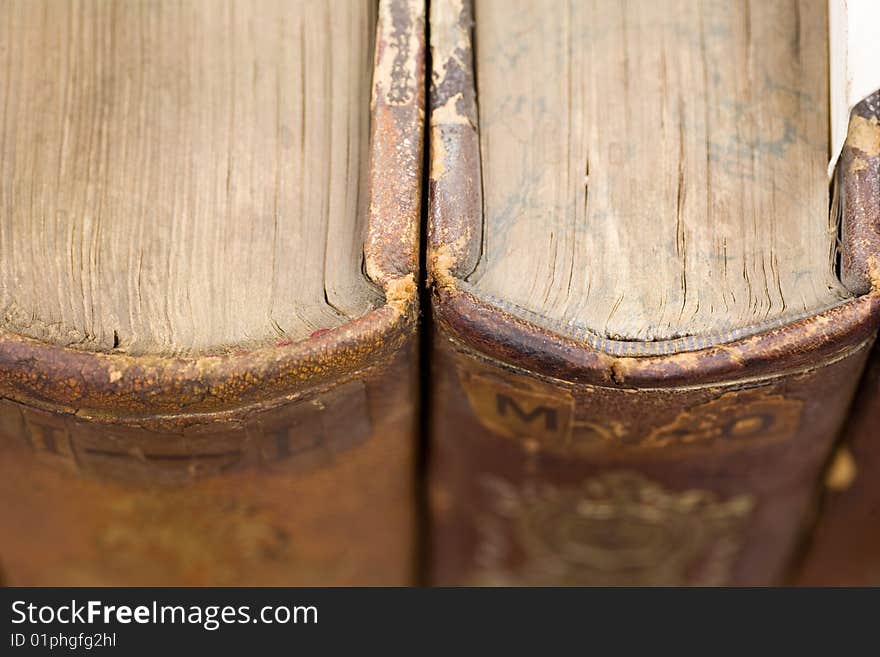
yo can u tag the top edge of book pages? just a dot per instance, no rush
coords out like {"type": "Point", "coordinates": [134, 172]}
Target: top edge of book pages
{"type": "Point", "coordinates": [183, 178]}
{"type": "Point", "coordinates": [654, 171]}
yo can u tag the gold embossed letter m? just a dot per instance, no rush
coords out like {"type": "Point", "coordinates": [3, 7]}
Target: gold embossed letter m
{"type": "Point", "coordinates": [503, 403]}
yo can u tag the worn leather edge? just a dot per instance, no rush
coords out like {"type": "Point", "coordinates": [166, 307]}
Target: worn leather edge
{"type": "Point", "coordinates": [747, 377]}
{"type": "Point", "coordinates": [455, 231]}
{"type": "Point", "coordinates": [455, 206]}
{"type": "Point", "coordinates": [133, 386]}
{"type": "Point", "coordinates": [522, 344]}
{"type": "Point", "coordinates": [391, 248]}
{"type": "Point", "coordinates": [858, 187]}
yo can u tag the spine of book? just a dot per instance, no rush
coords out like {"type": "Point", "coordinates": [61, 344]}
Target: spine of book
{"type": "Point", "coordinates": [844, 549]}
{"type": "Point", "coordinates": [558, 463]}
{"type": "Point", "coordinates": [546, 473]}
{"type": "Point", "coordinates": [290, 464]}
{"type": "Point", "coordinates": [272, 493]}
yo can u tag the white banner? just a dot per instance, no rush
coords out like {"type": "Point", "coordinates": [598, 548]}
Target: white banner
{"type": "Point", "coordinates": [854, 48]}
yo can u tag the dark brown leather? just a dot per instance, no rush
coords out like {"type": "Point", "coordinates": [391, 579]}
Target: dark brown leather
{"type": "Point", "coordinates": [315, 489]}
{"type": "Point", "coordinates": [558, 463]}
{"type": "Point", "coordinates": [538, 480]}
{"type": "Point", "coordinates": [845, 547]}
{"type": "Point", "coordinates": [286, 465]}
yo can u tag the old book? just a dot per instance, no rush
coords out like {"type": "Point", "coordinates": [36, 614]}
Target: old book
{"type": "Point", "coordinates": [643, 348]}
{"type": "Point", "coordinates": [844, 548]}
{"type": "Point", "coordinates": [209, 220]}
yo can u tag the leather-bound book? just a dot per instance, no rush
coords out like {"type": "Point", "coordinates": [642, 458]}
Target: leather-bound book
{"type": "Point", "coordinates": [844, 548]}
{"type": "Point", "coordinates": [209, 219]}
{"type": "Point", "coordinates": [643, 346]}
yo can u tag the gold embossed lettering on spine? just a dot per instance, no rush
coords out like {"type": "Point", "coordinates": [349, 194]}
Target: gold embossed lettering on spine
{"type": "Point", "coordinates": [289, 464]}
{"type": "Point", "coordinates": [557, 461]}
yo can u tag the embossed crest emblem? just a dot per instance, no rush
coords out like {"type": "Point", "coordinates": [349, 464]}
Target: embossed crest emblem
{"type": "Point", "coordinates": [618, 528]}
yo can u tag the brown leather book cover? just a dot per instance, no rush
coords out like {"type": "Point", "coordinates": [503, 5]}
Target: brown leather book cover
{"type": "Point", "coordinates": [844, 549]}
{"type": "Point", "coordinates": [563, 458]}
{"type": "Point", "coordinates": [289, 463]}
